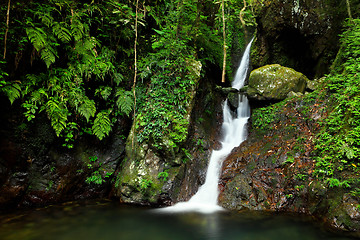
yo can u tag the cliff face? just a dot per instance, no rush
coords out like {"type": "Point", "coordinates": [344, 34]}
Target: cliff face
{"type": "Point", "coordinates": [301, 34]}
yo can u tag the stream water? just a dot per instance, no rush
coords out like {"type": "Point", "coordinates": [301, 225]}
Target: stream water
{"type": "Point", "coordinates": [111, 220]}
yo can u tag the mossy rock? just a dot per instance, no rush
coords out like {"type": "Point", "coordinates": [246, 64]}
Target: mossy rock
{"type": "Point", "coordinates": [275, 82]}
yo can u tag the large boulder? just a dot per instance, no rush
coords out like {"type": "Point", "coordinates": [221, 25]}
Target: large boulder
{"type": "Point", "coordinates": [274, 82]}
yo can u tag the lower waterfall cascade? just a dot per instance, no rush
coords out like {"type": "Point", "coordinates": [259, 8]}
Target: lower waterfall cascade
{"type": "Point", "coordinates": [234, 132]}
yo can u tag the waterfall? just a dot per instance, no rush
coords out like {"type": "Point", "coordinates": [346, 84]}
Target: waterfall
{"type": "Point", "coordinates": [234, 133]}
{"type": "Point", "coordinates": [242, 71]}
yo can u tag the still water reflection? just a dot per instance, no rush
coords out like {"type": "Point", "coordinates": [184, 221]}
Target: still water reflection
{"type": "Point", "coordinates": [109, 220]}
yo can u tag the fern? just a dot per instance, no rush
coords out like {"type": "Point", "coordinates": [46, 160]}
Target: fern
{"type": "Point", "coordinates": [125, 101]}
{"type": "Point", "coordinates": [61, 32]}
{"type": "Point", "coordinates": [37, 37]}
{"type": "Point", "coordinates": [57, 114]}
{"type": "Point", "coordinates": [46, 18]}
{"type": "Point", "coordinates": [87, 108]}
{"type": "Point", "coordinates": [48, 55]}
{"type": "Point", "coordinates": [13, 91]}
{"type": "Point", "coordinates": [104, 92]}
{"type": "Point", "coordinates": [77, 29]}
{"type": "Point", "coordinates": [102, 125]}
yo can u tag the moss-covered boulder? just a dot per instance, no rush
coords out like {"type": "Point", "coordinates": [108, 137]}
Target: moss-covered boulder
{"type": "Point", "coordinates": [274, 82]}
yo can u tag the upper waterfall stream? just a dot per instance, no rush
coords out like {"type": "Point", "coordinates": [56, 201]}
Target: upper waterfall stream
{"type": "Point", "coordinates": [234, 133]}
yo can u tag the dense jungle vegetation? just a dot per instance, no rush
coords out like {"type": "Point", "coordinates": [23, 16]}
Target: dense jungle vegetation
{"type": "Point", "coordinates": [85, 64]}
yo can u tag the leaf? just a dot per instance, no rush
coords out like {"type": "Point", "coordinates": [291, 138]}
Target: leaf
{"type": "Point", "coordinates": [104, 92]}
{"type": "Point", "coordinates": [37, 37]}
{"type": "Point", "coordinates": [102, 125]}
{"type": "Point", "coordinates": [48, 55]}
{"type": "Point", "coordinates": [57, 114]}
{"type": "Point", "coordinates": [125, 101]}
{"type": "Point", "coordinates": [13, 91]}
{"type": "Point", "coordinates": [87, 108]}
{"type": "Point", "coordinates": [61, 32]}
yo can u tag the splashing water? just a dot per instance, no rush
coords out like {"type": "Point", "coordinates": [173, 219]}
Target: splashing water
{"type": "Point", "coordinates": [234, 132]}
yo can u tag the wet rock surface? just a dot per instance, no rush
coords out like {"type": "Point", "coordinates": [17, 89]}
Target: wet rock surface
{"type": "Point", "coordinates": [272, 169]}
{"type": "Point", "coordinates": [36, 170]}
{"type": "Point", "coordinates": [275, 82]}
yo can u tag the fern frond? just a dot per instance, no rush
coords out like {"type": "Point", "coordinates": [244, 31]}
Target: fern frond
{"type": "Point", "coordinates": [37, 37]}
{"type": "Point", "coordinates": [57, 114]}
{"type": "Point", "coordinates": [13, 91]}
{"type": "Point", "coordinates": [46, 19]}
{"type": "Point", "coordinates": [118, 78]}
{"type": "Point", "coordinates": [48, 55]}
{"type": "Point", "coordinates": [77, 29]}
{"type": "Point", "coordinates": [61, 32]}
{"type": "Point", "coordinates": [125, 101]}
{"type": "Point", "coordinates": [37, 96]}
{"type": "Point", "coordinates": [104, 92]}
{"type": "Point", "coordinates": [102, 125]}
{"type": "Point", "coordinates": [87, 108]}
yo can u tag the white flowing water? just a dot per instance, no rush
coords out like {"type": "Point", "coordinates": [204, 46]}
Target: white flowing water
{"type": "Point", "coordinates": [242, 71]}
{"type": "Point", "coordinates": [234, 133]}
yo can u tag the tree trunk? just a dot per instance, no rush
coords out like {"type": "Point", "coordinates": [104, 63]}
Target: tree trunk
{"type": "Point", "coordinates": [7, 28]}
{"type": "Point", "coordinates": [224, 36]}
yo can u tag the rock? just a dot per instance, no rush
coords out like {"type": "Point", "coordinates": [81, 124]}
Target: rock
{"type": "Point", "coordinates": [299, 34]}
{"type": "Point", "coordinates": [294, 94]}
{"type": "Point", "coordinates": [315, 84]}
{"type": "Point", "coordinates": [273, 169]}
{"type": "Point", "coordinates": [274, 82]}
{"type": "Point", "coordinates": [36, 170]}
{"type": "Point", "coordinates": [233, 99]}
{"type": "Point", "coordinates": [184, 164]}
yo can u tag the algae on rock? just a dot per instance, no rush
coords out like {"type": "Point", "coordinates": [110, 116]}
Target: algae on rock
{"type": "Point", "coordinates": [274, 82]}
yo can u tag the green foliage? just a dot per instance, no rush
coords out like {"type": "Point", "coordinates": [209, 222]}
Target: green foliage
{"type": "Point", "coordinates": [81, 63]}
{"type": "Point", "coordinates": [145, 184]}
{"type": "Point", "coordinates": [87, 108]}
{"type": "Point", "coordinates": [265, 118]}
{"type": "Point", "coordinates": [12, 90]}
{"type": "Point", "coordinates": [334, 182]}
{"type": "Point", "coordinates": [102, 125]}
{"type": "Point", "coordinates": [100, 174]}
{"type": "Point", "coordinates": [338, 144]}
{"type": "Point", "coordinates": [125, 101]}
{"type": "Point", "coordinates": [163, 175]}
{"type": "Point", "coordinates": [73, 75]}
{"type": "Point", "coordinates": [57, 114]}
